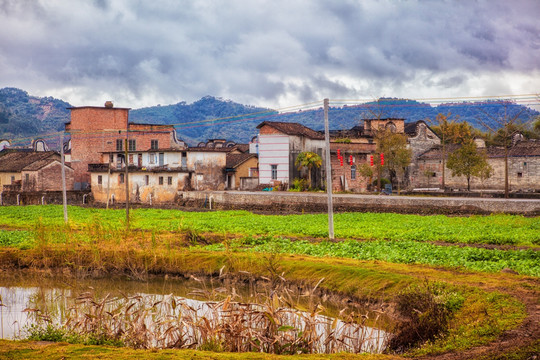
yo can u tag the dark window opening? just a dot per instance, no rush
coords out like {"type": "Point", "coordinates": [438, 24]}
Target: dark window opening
{"type": "Point", "coordinates": [519, 174]}
{"type": "Point", "coordinates": [169, 180]}
{"type": "Point", "coordinates": [121, 178]}
{"type": "Point", "coordinates": [274, 171]}
{"type": "Point", "coordinates": [154, 144]}
{"type": "Point", "coordinates": [146, 179]}
{"type": "Point", "coordinates": [132, 145]}
{"type": "Point", "coordinates": [161, 180]}
{"type": "Point", "coordinates": [99, 179]}
{"type": "Point", "coordinates": [119, 144]}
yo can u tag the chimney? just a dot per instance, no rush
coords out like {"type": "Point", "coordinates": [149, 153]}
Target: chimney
{"type": "Point", "coordinates": [108, 104]}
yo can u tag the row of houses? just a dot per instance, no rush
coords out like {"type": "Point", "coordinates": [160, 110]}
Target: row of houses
{"type": "Point", "coordinates": [160, 165]}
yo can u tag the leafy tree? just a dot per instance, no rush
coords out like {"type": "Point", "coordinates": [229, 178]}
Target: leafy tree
{"type": "Point", "coordinates": [468, 161]}
{"type": "Point", "coordinates": [510, 125]}
{"type": "Point", "coordinates": [397, 155]}
{"type": "Point", "coordinates": [451, 132]}
{"type": "Point", "coordinates": [366, 172]}
{"type": "Point", "coordinates": [309, 160]}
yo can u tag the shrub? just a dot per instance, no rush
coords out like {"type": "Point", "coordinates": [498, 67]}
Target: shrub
{"type": "Point", "coordinates": [423, 316]}
{"type": "Point", "coordinates": [299, 185]}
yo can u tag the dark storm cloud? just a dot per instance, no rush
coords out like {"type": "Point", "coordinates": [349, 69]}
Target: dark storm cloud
{"type": "Point", "coordinates": [262, 52]}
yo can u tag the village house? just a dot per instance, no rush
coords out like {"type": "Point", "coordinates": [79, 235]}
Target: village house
{"type": "Point", "coordinates": [357, 145]}
{"type": "Point", "coordinates": [158, 175]}
{"type": "Point", "coordinates": [242, 171]}
{"type": "Point", "coordinates": [32, 171]}
{"type": "Point", "coordinates": [98, 130]}
{"type": "Point", "coordinates": [279, 144]}
{"type": "Point", "coordinates": [523, 168]}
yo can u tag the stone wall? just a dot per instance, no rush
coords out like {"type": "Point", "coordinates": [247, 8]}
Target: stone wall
{"type": "Point", "coordinates": [289, 202]}
{"type": "Point", "coordinates": [44, 197]}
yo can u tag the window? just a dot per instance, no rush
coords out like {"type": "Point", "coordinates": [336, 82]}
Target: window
{"type": "Point", "coordinates": [152, 158]}
{"type": "Point", "coordinates": [146, 179]}
{"type": "Point", "coordinates": [353, 172]}
{"type": "Point", "coordinates": [274, 171]}
{"type": "Point", "coordinates": [100, 179]}
{"type": "Point", "coordinates": [154, 145]}
{"type": "Point", "coordinates": [519, 174]}
{"type": "Point", "coordinates": [131, 145]}
{"type": "Point", "coordinates": [121, 178]}
{"type": "Point", "coordinates": [12, 179]}
{"type": "Point", "coordinates": [130, 158]}
{"type": "Point", "coordinates": [111, 158]}
{"type": "Point", "coordinates": [161, 159]}
{"type": "Point", "coordinates": [119, 144]}
{"type": "Point", "coordinates": [169, 180]}
{"type": "Point", "coordinates": [161, 180]}
{"type": "Point", "coordinates": [27, 177]}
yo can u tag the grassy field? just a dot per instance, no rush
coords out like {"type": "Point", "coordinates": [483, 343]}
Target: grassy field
{"type": "Point", "coordinates": [491, 229]}
{"type": "Point", "coordinates": [378, 256]}
{"type": "Point", "coordinates": [407, 239]}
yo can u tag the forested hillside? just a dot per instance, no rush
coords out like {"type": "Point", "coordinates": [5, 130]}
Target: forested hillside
{"type": "Point", "coordinates": [23, 117]}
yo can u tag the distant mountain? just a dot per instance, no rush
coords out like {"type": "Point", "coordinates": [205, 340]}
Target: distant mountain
{"type": "Point", "coordinates": [23, 117]}
{"type": "Point", "coordinates": [207, 118]}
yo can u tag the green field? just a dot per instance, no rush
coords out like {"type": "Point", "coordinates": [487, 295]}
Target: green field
{"type": "Point", "coordinates": [375, 256]}
{"type": "Point", "coordinates": [491, 229]}
{"type": "Point", "coordinates": [407, 239]}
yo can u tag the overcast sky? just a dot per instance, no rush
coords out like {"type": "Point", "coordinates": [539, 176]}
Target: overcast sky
{"type": "Point", "coordinates": [268, 53]}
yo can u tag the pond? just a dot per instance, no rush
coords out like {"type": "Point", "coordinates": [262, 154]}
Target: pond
{"type": "Point", "coordinates": [187, 313]}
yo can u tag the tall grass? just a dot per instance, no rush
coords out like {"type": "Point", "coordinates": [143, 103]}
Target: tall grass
{"type": "Point", "coordinates": [164, 322]}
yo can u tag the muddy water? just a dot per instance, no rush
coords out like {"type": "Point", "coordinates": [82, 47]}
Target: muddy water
{"type": "Point", "coordinates": [28, 298]}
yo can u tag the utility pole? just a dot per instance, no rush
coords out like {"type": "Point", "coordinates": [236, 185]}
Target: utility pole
{"type": "Point", "coordinates": [127, 176]}
{"type": "Point", "coordinates": [328, 173]}
{"type": "Point", "coordinates": [64, 194]}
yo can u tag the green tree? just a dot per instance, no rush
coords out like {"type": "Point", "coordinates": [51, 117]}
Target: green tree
{"type": "Point", "coordinates": [509, 126]}
{"type": "Point", "coordinates": [397, 155]}
{"type": "Point", "coordinates": [366, 172]}
{"type": "Point", "coordinates": [451, 132]}
{"type": "Point", "coordinates": [468, 161]}
{"type": "Point", "coordinates": [308, 160]}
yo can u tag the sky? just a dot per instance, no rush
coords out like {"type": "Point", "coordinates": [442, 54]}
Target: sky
{"type": "Point", "coordinates": [274, 53]}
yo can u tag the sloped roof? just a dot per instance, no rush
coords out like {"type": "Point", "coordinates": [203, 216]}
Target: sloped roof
{"type": "Point", "coordinates": [16, 161]}
{"type": "Point", "coordinates": [233, 160]}
{"type": "Point", "coordinates": [411, 128]}
{"type": "Point", "coordinates": [242, 147]}
{"type": "Point", "coordinates": [293, 129]}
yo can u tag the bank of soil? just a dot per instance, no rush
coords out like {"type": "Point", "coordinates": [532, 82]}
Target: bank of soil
{"type": "Point", "coordinates": [525, 289]}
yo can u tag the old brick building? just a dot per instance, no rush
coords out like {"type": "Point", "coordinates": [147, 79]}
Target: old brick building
{"type": "Point", "coordinates": [31, 171]}
{"type": "Point", "coordinates": [98, 130]}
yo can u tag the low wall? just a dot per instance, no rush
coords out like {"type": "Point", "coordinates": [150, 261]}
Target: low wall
{"type": "Point", "coordinates": [276, 202]}
{"type": "Point", "coordinates": [74, 197]}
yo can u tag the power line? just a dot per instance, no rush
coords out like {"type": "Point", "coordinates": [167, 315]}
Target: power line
{"type": "Point", "coordinates": [521, 99]}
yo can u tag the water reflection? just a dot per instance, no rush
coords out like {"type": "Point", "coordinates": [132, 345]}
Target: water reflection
{"type": "Point", "coordinates": [182, 319]}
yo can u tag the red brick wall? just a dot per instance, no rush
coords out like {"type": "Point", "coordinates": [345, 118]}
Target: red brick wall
{"type": "Point", "coordinates": [357, 185]}
{"type": "Point", "coordinates": [94, 130]}
{"type": "Point", "coordinates": [144, 134]}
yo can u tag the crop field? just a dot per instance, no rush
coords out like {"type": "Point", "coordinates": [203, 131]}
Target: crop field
{"type": "Point", "coordinates": [483, 270]}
